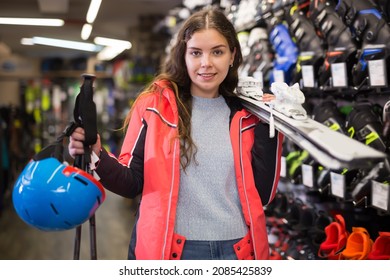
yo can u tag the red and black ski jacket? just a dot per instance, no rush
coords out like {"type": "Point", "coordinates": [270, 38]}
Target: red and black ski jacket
{"type": "Point", "coordinates": [149, 165]}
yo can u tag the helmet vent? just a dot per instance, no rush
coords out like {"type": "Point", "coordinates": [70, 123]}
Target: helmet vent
{"type": "Point", "coordinates": [28, 214]}
{"type": "Point", "coordinates": [54, 208]}
{"type": "Point", "coordinates": [98, 200]}
{"type": "Point", "coordinates": [67, 223]}
{"type": "Point", "coordinates": [81, 180]}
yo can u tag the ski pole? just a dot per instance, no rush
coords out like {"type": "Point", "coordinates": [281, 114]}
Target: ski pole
{"type": "Point", "coordinates": [85, 116]}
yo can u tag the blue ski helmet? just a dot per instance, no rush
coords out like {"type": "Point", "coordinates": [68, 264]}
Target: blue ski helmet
{"type": "Point", "coordinates": [52, 196]}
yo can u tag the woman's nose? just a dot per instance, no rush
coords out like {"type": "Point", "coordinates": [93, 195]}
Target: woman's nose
{"type": "Point", "coordinates": [206, 60]}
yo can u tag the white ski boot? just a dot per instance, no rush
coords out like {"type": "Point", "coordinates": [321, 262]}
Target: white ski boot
{"type": "Point", "coordinates": [250, 87]}
{"type": "Point", "coordinates": [288, 100]}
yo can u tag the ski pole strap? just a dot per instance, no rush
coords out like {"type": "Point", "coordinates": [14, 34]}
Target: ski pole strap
{"type": "Point", "coordinates": [56, 149]}
{"type": "Point", "coordinates": [85, 111]}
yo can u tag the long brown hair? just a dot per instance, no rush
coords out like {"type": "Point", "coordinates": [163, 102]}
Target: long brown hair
{"type": "Point", "coordinates": [174, 70]}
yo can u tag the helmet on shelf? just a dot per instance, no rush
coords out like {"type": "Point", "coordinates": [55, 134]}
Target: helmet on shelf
{"type": "Point", "coordinates": [52, 196]}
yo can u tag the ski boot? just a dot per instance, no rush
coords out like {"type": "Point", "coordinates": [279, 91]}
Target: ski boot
{"type": "Point", "coordinates": [340, 46]}
{"type": "Point", "coordinates": [260, 60]}
{"type": "Point", "coordinates": [381, 247]}
{"type": "Point", "coordinates": [371, 31]}
{"type": "Point", "coordinates": [286, 54]}
{"type": "Point", "coordinates": [365, 125]}
{"type": "Point", "coordinates": [358, 246]}
{"type": "Point", "coordinates": [328, 114]}
{"type": "Point", "coordinates": [288, 100]}
{"type": "Point", "coordinates": [336, 239]}
{"type": "Point", "coordinates": [311, 46]}
{"type": "Point", "coordinates": [286, 49]}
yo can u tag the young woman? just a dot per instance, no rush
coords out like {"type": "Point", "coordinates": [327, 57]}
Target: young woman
{"type": "Point", "coordinates": [204, 166]}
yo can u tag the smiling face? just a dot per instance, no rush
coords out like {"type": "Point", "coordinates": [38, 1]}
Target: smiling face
{"type": "Point", "coordinates": [208, 59]}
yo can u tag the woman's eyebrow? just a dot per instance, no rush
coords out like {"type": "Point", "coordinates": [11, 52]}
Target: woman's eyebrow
{"type": "Point", "coordinates": [215, 47]}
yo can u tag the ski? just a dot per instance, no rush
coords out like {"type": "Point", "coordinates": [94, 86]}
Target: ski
{"type": "Point", "coordinates": [330, 148]}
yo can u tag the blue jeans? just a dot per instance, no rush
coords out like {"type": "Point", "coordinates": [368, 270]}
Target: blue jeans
{"type": "Point", "coordinates": [209, 250]}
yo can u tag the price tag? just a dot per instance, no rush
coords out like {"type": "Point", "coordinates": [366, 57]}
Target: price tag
{"type": "Point", "coordinates": [380, 195]}
{"type": "Point", "coordinates": [308, 76]}
{"type": "Point", "coordinates": [278, 76]}
{"type": "Point", "coordinates": [337, 184]}
{"type": "Point", "coordinates": [339, 74]}
{"type": "Point", "coordinates": [307, 175]}
{"type": "Point", "coordinates": [377, 72]}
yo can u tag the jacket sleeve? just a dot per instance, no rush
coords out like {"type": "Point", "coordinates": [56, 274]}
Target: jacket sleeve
{"type": "Point", "coordinates": [124, 175]}
{"type": "Point", "coordinates": [266, 155]}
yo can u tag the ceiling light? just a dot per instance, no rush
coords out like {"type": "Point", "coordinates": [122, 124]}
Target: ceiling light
{"type": "Point", "coordinates": [86, 31]}
{"type": "Point", "coordinates": [64, 44]}
{"type": "Point", "coordinates": [109, 53]}
{"type": "Point", "coordinates": [32, 21]}
{"type": "Point", "coordinates": [27, 41]}
{"type": "Point", "coordinates": [93, 10]}
{"type": "Point", "coordinates": [112, 42]}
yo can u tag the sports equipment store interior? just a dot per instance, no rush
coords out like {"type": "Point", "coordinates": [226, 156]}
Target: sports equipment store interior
{"type": "Point", "coordinates": [337, 52]}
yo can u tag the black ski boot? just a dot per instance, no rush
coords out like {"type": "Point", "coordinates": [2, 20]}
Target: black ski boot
{"type": "Point", "coordinates": [340, 46]}
{"type": "Point", "coordinates": [365, 124]}
{"type": "Point", "coordinates": [370, 29]}
{"type": "Point", "coordinates": [311, 46]}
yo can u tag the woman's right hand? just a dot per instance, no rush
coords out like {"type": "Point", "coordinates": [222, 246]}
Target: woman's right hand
{"type": "Point", "coordinates": [76, 143]}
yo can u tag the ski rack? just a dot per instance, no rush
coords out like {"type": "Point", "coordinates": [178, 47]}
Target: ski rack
{"type": "Point", "coordinates": [330, 148]}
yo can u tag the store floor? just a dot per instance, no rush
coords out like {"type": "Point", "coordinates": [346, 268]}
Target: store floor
{"type": "Point", "coordinates": [114, 221]}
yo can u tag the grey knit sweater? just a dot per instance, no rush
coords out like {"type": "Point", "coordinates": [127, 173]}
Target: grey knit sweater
{"type": "Point", "coordinates": [208, 205]}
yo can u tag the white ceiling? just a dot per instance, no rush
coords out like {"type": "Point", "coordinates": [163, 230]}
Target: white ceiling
{"type": "Point", "coordinates": [115, 19]}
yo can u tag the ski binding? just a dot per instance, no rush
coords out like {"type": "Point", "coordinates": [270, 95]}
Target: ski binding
{"type": "Point", "coordinates": [250, 87]}
{"type": "Point", "coordinates": [289, 100]}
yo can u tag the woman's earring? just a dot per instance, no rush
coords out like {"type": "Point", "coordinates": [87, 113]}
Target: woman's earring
{"type": "Point", "coordinates": [231, 65]}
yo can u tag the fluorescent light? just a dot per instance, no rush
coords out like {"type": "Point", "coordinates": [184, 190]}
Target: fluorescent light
{"type": "Point", "coordinates": [112, 42]}
{"type": "Point", "coordinates": [109, 53]}
{"type": "Point", "coordinates": [86, 31]}
{"type": "Point", "coordinates": [27, 41]}
{"type": "Point", "coordinates": [32, 21]}
{"type": "Point", "coordinates": [93, 10]}
{"type": "Point", "coordinates": [113, 47]}
{"type": "Point", "coordinates": [65, 44]}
